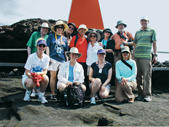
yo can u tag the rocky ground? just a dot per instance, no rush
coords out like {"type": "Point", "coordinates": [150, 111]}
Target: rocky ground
{"type": "Point", "coordinates": [15, 112]}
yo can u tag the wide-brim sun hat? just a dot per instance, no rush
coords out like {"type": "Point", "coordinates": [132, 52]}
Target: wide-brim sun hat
{"type": "Point", "coordinates": [96, 33]}
{"type": "Point", "coordinates": [144, 18]}
{"type": "Point", "coordinates": [58, 23]}
{"type": "Point", "coordinates": [44, 25]}
{"type": "Point", "coordinates": [74, 50]}
{"type": "Point", "coordinates": [121, 22]}
{"type": "Point", "coordinates": [125, 49]}
{"type": "Point", "coordinates": [82, 26]}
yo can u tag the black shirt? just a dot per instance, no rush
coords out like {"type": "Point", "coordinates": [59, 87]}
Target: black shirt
{"type": "Point", "coordinates": [104, 74]}
{"type": "Point", "coordinates": [110, 56]}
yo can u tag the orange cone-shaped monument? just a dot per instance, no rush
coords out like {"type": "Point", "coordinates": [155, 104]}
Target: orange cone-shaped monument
{"type": "Point", "coordinates": [86, 12]}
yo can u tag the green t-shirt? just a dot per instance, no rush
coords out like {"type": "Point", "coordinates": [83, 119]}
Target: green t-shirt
{"type": "Point", "coordinates": [32, 41]}
{"type": "Point", "coordinates": [143, 40]}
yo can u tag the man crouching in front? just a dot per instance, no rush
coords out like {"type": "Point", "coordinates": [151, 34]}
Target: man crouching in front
{"type": "Point", "coordinates": [35, 72]}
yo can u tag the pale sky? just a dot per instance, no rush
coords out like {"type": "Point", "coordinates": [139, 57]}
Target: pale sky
{"type": "Point", "coordinates": [130, 11]}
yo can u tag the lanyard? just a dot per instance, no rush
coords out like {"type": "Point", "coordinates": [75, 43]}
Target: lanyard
{"type": "Point", "coordinates": [60, 37]}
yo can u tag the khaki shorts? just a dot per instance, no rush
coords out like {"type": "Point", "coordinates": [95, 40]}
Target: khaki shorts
{"type": "Point", "coordinates": [54, 65]}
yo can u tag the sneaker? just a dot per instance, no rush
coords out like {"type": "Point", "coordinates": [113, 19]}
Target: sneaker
{"type": "Point", "coordinates": [131, 100]}
{"type": "Point", "coordinates": [92, 101]}
{"type": "Point", "coordinates": [33, 94]}
{"type": "Point", "coordinates": [27, 95]}
{"type": "Point", "coordinates": [139, 98]}
{"type": "Point", "coordinates": [42, 100]}
{"type": "Point", "coordinates": [147, 99]}
{"type": "Point", "coordinates": [53, 97]}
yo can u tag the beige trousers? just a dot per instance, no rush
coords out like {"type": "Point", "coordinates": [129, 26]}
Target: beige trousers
{"type": "Point", "coordinates": [116, 58]}
{"type": "Point", "coordinates": [144, 73]}
{"type": "Point", "coordinates": [124, 91]}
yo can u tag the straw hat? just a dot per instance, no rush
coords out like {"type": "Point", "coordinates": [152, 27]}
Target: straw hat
{"type": "Point", "coordinates": [44, 25]}
{"type": "Point", "coordinates": [97, 35]}
{"type": "Point", "coordinates": [59, 23]}
{"type": "Point", "coordinates": [74, 50]}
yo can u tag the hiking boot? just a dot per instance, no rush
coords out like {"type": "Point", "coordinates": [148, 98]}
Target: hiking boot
{"type": "Point", "coordinates": [27, 95]}
{"type": "Point", "coordinates": [92, 101]}
{"type": "Point", "coordinates": [53, 97]}
{"type": "Point", "coordinates": [147, 99]}
{"type": "Point", "coordinates": [139, 98]}
{"type": "Point", "coordinates": [42, 99]}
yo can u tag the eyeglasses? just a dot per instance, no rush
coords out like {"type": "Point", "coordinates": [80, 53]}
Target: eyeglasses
{"type": "Point", "coordinates": [92, 36]}
{"type": "Point", "coordinates": [71, 27]}
{"type": "Point", "coordinates": [42, 45]}
{"type": "Point", "coordinates": [125, 52]}
{"type": "Point", "coordinates": [60, 27]}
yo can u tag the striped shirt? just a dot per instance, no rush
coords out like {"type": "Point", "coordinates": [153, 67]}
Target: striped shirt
{"type": "Point", "coordinates": [143, 40]}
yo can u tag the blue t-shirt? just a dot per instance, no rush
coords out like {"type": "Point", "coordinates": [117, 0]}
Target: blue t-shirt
{"type": "Point", "coordinates": [57, 49]}
{"type": "Point", "coordinates": [104, 42]}
{"type": "Point", "coordinates": [70, 78]}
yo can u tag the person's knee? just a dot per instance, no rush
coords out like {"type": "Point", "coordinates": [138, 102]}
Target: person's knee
{"type": "Point", "coordinates": [97, 81]}
{"type": "Point", "coordinates": [29, 84]}
{"type": "Point", "coordinates": [104, 94]}
{"type": "Point", "coordinates": [62, 87]}
{"type": "Point", "coordinates": [45, 78]}
{"type": "Point", "coordinates": [83, 87]}
{"type": "Point", "coordinates": [119, 99]}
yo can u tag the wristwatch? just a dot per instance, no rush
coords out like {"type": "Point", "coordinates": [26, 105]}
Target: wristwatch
{"type": "Point", "coordinates": [155, 55]}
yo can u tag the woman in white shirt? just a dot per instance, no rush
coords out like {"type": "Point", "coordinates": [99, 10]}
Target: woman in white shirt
{"type": "Point", "coordinates": [36, 63]}
{"type": "Point", "coordinates": [71, 72]}
{"type": "Point", "coordinates": [92, 49]}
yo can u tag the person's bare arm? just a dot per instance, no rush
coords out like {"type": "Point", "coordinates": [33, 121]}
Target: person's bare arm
{"type": "Point", "coordinates": [155, 52]}
{"type": "Point", "coordinates": [29, 50]}
{"type": "Point", "coordinates": [47, 51]}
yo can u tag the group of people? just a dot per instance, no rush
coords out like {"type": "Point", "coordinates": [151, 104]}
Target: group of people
{"type": "Point", "coordinates": [90, 61]}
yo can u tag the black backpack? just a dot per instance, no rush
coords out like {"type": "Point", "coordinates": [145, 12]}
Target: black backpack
{"type": "Point", "coordinates": [75, 96]}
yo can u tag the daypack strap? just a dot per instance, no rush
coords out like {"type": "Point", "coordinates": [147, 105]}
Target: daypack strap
{"type": "Point", "coordinates": [76, 39]}
{"type": "Point", "coordinates": [126, 64]}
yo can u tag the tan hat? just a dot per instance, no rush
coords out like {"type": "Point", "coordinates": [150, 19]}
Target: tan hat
{"type": "Point", "coordinates": [59, 23]}
{"type": "Point", "coordinates": [74, 50]}
{"type": "Point", "coordinates": [82, 26]}
{"type": "Point", "coordinates": [44, 25]}
{"type": "Point", "coordinates": [125, 48]}
{"type": "Point", "coordinates": [94, 32]}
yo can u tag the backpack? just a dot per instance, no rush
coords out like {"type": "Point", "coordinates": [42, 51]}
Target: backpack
{"type": "Point", "coordinates": [75, 96]}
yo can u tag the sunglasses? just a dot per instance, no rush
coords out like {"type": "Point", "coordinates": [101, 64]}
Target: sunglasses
{"type": "Point", "coordinates": [42, 45]}
{"type": "Point", "coordinates": [92, 36]}
{"type": "Point", "coordinates": [71, 27]}
{"type": "Point", "coordinates": [125, 52]}
{"type": "Point", "coordinates": [60, 27]}
{"type": "Point", "coordinates": [107, 32]}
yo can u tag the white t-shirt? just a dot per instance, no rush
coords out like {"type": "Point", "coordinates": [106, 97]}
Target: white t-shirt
{"type": "Point", "coordinates": [92, 53]}
{"type": "Point", "coordinates": [35, 64]}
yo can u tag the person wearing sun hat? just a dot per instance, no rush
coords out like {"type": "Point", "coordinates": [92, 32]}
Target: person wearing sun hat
{"type": "Point", "coordinates": [41, 33]}
{"type": "Point", "coordinates": [100, 76]}
{"type": "Point", "coordinates": [81, 44]}
{"type": "Point", "coordinates": [36, 63]}
{"type": "Point", "coordinates": [57, 46]}
{"type": "Point", "coordinates": [121, 38]}
{"type": "Point", "coordinates": [126, 72]}
{"type": "Point", "coordinates": [31, 44]}
{"type": "Point", "coordinates": [71, 71]}
{"type": "Point", "coordinates": [144, 40]}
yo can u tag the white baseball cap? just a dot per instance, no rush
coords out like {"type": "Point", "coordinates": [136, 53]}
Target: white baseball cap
{"type": "Point", "coordinates": [145, 18]}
